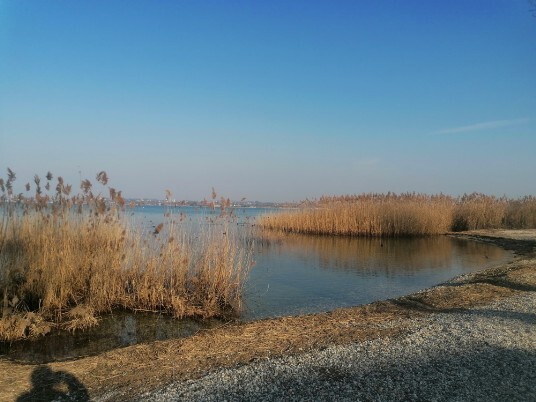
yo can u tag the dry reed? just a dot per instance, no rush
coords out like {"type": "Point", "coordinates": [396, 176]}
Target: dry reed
{"type": "Point", "coordinates": [368, 215]}
{"type": "Point", "coordinates": [69, 258]}
{"type": "Point", "coordinates": [387, 215]}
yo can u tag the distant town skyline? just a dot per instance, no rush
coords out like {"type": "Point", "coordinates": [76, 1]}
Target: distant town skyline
{"type": "Point", "coordinates": [271, 101]}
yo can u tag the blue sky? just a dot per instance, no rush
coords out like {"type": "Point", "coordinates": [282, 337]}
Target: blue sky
{"type": "Point", "coordinates": [278, 100]}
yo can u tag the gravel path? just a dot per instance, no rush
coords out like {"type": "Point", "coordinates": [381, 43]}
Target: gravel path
{"type": "Point", "coordinates": [487, 353]}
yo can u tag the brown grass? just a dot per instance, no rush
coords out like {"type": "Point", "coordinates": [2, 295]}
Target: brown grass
{"type": "Point", "coordinates": [68, 259]}
{"type": "Point", "coordinates": [126, 373]}
{"type": "Point", "coordinates": [368, 215]}
{"type": "Point", "coordinates": [404, 215]}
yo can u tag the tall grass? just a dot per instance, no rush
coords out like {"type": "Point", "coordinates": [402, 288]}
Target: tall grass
{"type": "Point", "coordinates": [65, 259]}
{"type": "Point", "coordinates": [404, 215]}
{"type": "Point", "coordinates": [368, 215]}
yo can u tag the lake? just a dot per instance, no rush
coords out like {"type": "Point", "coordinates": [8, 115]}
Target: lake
{"type": "Point", "coordinates": [292, 274]}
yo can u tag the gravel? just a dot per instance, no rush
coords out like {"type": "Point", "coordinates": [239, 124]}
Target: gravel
{"type": "Point", "coordinates": [486, 353]}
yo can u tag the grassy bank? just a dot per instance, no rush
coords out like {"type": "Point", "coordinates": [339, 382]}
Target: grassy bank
{"type": "Point", "coordinates": [404, 215]}
{"type": "Point", "coordinates": [64, 259]}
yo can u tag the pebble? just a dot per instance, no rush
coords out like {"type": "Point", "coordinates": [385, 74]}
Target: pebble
{"type": "Point", "coordinates": [487, 353]}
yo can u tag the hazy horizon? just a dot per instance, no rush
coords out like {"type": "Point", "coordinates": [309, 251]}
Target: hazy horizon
{"type": "Point", "coordinates": [272, 101]}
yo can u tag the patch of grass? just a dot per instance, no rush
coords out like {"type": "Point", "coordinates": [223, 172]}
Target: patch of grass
{"type": "Point", "coordinates": [69, 258]}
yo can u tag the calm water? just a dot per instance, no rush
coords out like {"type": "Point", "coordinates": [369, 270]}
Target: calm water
{"type": "Point", "coordinates": [297, 274]}
{"type": "Point", "coordinates": [293, 274]}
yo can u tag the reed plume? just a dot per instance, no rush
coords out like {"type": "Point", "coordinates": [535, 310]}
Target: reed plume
{"type": "Point", "coordinates": [65, 259]}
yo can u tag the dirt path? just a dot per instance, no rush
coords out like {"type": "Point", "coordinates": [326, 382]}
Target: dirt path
{"type": "Point", "coordinates": [127, 372]}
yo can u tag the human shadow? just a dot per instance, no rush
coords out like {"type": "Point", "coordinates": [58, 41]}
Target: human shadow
{"type": "Point", "coordinates": [49, 385]}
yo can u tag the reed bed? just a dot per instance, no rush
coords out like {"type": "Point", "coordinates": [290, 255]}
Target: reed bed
{"type": "Point", "coordinates": [410, 214]}
{"type": "Point", "coordinates": [367, 215]}
{"type": "Point", "coordinates": [66, 259]}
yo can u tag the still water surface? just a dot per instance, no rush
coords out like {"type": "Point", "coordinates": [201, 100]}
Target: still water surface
{"type": "Point", "coordinates": [293, 274]}
{"type": "Point", "coordinates": [297, 274]}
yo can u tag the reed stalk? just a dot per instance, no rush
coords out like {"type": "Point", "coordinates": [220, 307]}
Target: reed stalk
{"type": "Point", "coordinates": [410, 214]}
{"type": "Point", "coordinates": [66, 259]}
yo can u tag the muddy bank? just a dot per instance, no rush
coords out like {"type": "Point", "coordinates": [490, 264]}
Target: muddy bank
{"type": "Point", "coordinates": [125, 373]}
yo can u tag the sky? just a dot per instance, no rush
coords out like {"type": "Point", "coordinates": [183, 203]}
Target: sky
{"type": "Point", "coordinates": [271, 100]}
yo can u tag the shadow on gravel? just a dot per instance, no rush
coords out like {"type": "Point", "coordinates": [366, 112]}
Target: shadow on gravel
{"type": "Point", "coordinates": [529, 318]}
{"type": "Point", "coordinates": [49, 385]}
{"type": "Point", "coordinates": [420, 306]}
{"type": "Point", "coordinates": [488, 374]}
{"type": "Point", "coordinates": [501, 282]}
{"type": "Point", "coordinates": [418, 303]}
{"type": "Point", "coordinates": [492, 374]}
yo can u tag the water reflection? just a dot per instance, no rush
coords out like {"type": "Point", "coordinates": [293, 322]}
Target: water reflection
{"type": "Point", "coordinates": [115, 330]}
{"type": "Point", "coordinates": [390, 256]}
{"type": "Point", "coordinates": [296, 274]}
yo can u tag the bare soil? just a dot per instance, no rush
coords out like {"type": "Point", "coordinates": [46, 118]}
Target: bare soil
{"type": "Point", "coordinates": [123, 373]}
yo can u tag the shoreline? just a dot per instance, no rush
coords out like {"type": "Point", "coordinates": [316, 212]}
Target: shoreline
{"type": "Point", "coordinates": [484, 353]}
{"type": "Point", "coordinates": [129, 372]}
